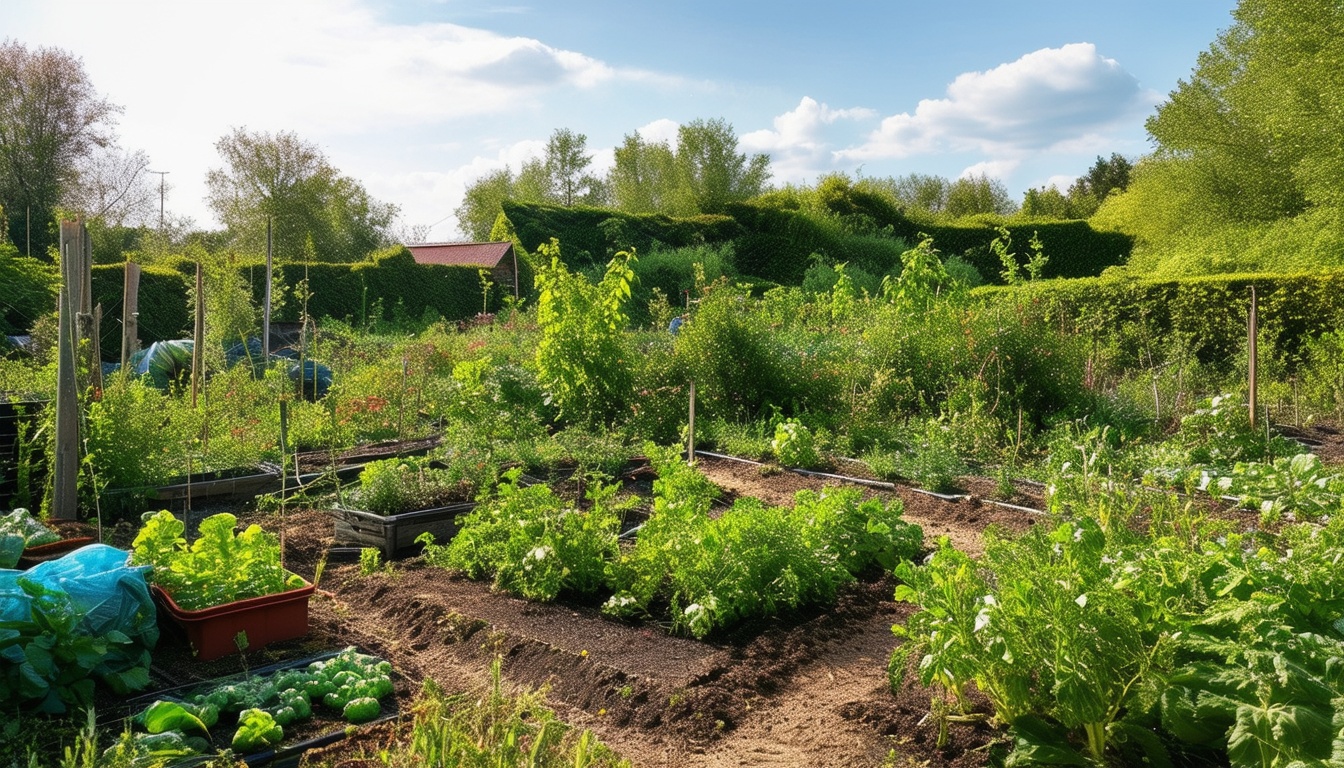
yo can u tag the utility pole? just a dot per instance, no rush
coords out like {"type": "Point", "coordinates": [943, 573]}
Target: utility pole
{"type": "Point", "coordinates": [161, 191]}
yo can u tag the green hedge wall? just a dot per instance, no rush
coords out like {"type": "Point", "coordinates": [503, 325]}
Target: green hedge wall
{"type": "Point", "coordinates": [28, 290]}
{"type": "Point", "coordinates": [353, 291]}
{"type": "Point", "coordinates": [1143, 317]}
{"type": "Point", "coordinates": [592, 235]}
{"type": "Point", "coordinates": [1075, 249]}
{"type": "Point", "coordinates": [164, 313]}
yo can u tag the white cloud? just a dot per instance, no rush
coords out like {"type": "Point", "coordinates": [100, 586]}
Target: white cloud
{"type": "Point", "coordinates": [798, 144]}
{"type": "Point", "coordinates": [1060, 181]}
{"type": "Point", "coordinates": [663, 130]}
{"type": "Point", "coordinates": [1045, 99]}
{"type": "Point", "coordinates": [994, 169]}
{"type": "Point", "coordinates": [332, 71]}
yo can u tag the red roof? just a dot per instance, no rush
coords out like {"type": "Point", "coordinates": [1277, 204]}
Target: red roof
{"type": "Point", "coordinates": [486, 255]}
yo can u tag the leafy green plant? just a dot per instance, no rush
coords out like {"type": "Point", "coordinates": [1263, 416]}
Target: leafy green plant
{"type": "Point", "coordinates": [581, 355]}
{"type": "Point", "coordinates": [1299, 485]}
{"type": "Point", "coordinates": [218, 567]}
{"type": "Point", "coordinates": [1050, 630]}
{"type": "Point", "coordinates": [370, 561]}
{"type": "Point", "coordinates": [794, 445]}
{"type": "Point", "coordinates": [532, 543]}
{"type": "Point", "coordinates": [393, 486]}
{"type": "Point", "coordinates": [18, 530]}
{"type": "Point", "coordinates": [753, 560]}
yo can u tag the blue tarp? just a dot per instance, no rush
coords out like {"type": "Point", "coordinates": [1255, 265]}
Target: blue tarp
{"type": "Point", "coordinates": [66, 622]}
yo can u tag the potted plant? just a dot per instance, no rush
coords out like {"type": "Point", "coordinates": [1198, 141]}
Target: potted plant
{"type": "Point", "coordinates": [399, 499]}
{"type": "Point", "coordinates": [222, 584]}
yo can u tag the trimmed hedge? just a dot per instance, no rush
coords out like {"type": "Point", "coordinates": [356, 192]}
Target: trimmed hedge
{"type": "Point", "coordinates": [28, 290]}
{"type": "Point", "coordinates": [164, 313]}
{"type": "Point", "coordinates": [1141, 316]}
{"type": "Point", "coordinates": [353, 292]}
{"type": "Point", "coordinates": [592, 235]}
{"type": "Point", "coordinates": [344, 291]}
{"type": "Point", "coordinates": [1075, 249]}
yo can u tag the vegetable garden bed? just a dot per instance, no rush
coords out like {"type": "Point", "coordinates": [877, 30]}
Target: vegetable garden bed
{"type": "Point", "coordinates": [395, 534]}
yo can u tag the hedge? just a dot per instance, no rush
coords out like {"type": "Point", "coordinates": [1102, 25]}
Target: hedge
{"type": "Point", "coordinates": [1143, 318]}
{"type": "Point", "coordinates": [162, 304]}
{"type": "Point", "coordinates": [1074, 248]}
{"type": "Point", "coordinates": [28, 290]}
{"type": "Point", "coordinates": [592, 235]}
{"type": "Point", "coordinates": [344, 291]}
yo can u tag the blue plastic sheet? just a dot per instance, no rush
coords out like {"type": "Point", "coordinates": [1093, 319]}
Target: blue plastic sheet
{"type": "Point", "coordinates": [66, 622]}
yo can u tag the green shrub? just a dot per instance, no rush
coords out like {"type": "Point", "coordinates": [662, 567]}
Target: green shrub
{"type": "Point", "coordinates": [532, 543]}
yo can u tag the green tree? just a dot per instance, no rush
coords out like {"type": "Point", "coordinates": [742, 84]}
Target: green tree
{"type": "Point", "coordinates": [712, 173]}
{"type": "Point", "coordinates": [50, 118]}
{"type": "Point", "coordinates": [1243, 121]}
{"type": "Point", "coordinates": [919, 191]}
{"type": "Point", "coordinates": [481, 204]}
{"type": "Point", "coordinates": [644, 176]}
{"type": "Point", "coordinates": [1048, 203]}
{"type": "Point", "coordinates": [971, 195]}
{"type": "Point", "coordinates": [1107, 175]}
{"type": "Point", "coordinates": [566, 166]}
{"type": "Point", "coordinates": [315, 212]}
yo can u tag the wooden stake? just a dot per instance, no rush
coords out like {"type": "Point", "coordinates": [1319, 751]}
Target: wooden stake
{"type": "Point", "coordinates": [1253, 363]}
{"type": "Point", "coordinates": [65, 475]}
{"type": "Point", "coordinates": [130, 314]}
{"type": "Point", "coordinates": [690, 428]}
{"type": "Point", "coordinates": [198, 337]}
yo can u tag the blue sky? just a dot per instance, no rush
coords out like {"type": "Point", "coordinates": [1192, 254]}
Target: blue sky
{"type": "Point", "coordinates": [417, 98]}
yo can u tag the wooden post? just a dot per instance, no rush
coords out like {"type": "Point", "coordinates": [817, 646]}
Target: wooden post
{"type": "Point", "coordinates": [1251, 322]}
{"type": "Point", "coordinates": [690, 428]}
{"type": "Point", "coordinates": [266, 308]}
{"type": "Point", "coordinates": [65, 493]}
{"type": "Point", "coordinates": [198, 337]}
{"type": "Point", "coordinates": [130, 314]}
{"type": "Point", "coordinates": [91, 317]}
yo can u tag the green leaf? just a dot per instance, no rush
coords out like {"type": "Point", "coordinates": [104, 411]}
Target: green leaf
{"type": "Point", "coordinates": [164, 716]}
{"type": "Point", "coordinates": [1037, 741]}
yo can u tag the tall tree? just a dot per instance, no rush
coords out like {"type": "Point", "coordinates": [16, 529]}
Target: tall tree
{"type": "Point", "coordinates": [1259, 119]}
{"type": "Point", "coordinates": [566, 165]}
{"type": "Point", "coordinates": [50, 118]}
{"type": "Point", "coordinates": [1106, 175]}
{"type": "Point", "coordinates": [315, 212]}
{"type": "Point", "coordinates": [644, 176]}
{"type": "Point", "coordinates": [920, 191]}
{"type": "Point", "coordinates": [1048, 203]}
{"type": "Point", "coordinates": [115, 187]}
{"type": "Point", "coordinates": [974, 194]}
{"type": "Point", "coordinates": [711, 171]}
{"type": "Point", "coordinates": [481, 204]}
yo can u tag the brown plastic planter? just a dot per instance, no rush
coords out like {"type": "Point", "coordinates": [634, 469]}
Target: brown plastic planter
{"type": "Point", "coordinates": [266, 619]}
{"type": "Point", "coordinates": [40, 554]}
{"type": "Point", "coordinates": [395, 534]}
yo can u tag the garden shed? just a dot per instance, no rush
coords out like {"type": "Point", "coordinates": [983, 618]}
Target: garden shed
{"type": "Point", "coordinates": [497, 257]}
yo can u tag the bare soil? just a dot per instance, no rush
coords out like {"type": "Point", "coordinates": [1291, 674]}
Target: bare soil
{"type": "Point", "coordinates": [804, 689]}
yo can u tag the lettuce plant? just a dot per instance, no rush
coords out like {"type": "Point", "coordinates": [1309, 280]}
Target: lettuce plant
{"type": "Point", "coordinates": [218, 567]}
